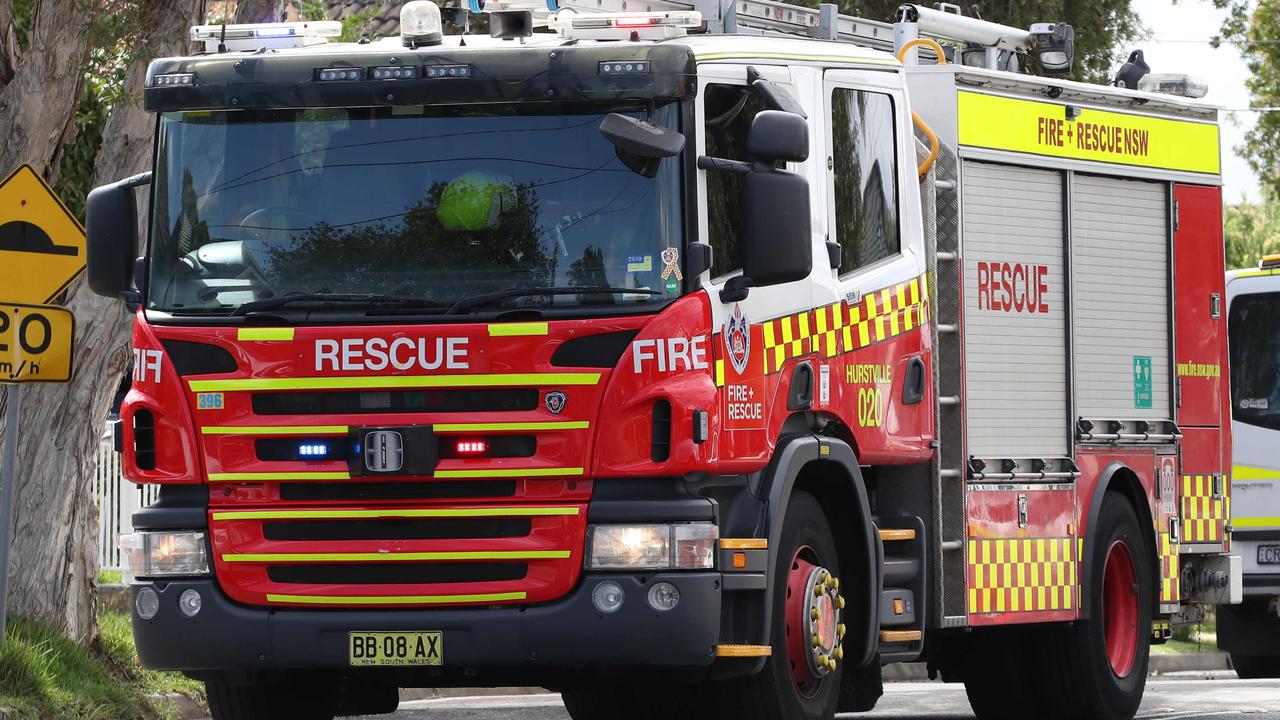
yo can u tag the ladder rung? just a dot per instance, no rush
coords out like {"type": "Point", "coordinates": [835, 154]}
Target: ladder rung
{"type": "Point", "coordinates": [949, 400]}
{"type": "Point", "coordinates": [948, 256]}
{"type": "Point", "coordinates": [952, 473]}
{"type": "Point", "coordinates": [952, 545]}
{"type": "Point", "coordinates": [888, 534]}
{"type": "Point", "coordinates": [900, 636]}
{"type": "Point", "coordinates": [948, 329]}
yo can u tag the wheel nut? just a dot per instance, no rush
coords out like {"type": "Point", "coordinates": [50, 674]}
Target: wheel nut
{"type": "Point", "coordinates": [840, 603]}
{"type": "Point", "coordinates": [835, 583]}
{"type": "Point", "coordinates": [819, 589]}
{"type": "Point", "coordinates": [839, 652]}
{"type": "Point", "coordinates": [840, 630]}
{"type": "Point", "coordinates": [822, 660]}
{"type": "Point", "coordinates": [817, 640]}
{"type": "Point", "coordinates": [815, 614]}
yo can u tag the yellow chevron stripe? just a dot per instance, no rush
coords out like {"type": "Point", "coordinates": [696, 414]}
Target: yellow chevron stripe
{"type": "Point", "coordinates": [295, 430]}
{"type": "Point", "coordinates": [498, 426]}
{"type": "Point", "coordinates": [394, 599]}
{"type": "Point", "coordinates": [277, 476]}
{"type": "Point", "coordinates": [509, 472]}
{"type": "Point", "coordinates": [367, 382]}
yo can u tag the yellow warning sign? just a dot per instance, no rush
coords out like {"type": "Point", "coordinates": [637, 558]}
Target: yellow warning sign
{"type": "Point", "coordinates": [35, 343]}
{"type": "Point", "coordinates": [1042, 128]}
{"type": "Point", "coordinates": [41, 243]}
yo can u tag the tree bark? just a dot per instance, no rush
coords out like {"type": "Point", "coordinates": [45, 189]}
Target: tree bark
{"type": "Point", "coordinates": [260, 11]}
{"type": "Point", "coordinates": [54, 559]}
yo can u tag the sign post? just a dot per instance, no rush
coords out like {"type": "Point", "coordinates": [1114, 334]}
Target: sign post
{"type": "Point", "coordinates": [42, 249]}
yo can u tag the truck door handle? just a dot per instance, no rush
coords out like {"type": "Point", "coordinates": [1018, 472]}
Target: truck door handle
{"type": "Point", "coordinates": [1215, 305]}
{"type": "Point", "coordinates": [913, 384]}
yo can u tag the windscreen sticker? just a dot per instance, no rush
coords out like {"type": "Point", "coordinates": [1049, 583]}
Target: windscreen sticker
{"type": "Point", "coordinates": [671, 269]}
{"type": "Point", "coordinates": [639, 263]}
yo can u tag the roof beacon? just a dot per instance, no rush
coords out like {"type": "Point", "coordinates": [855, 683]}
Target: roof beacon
{"type": "Point", "coordinates": [252, 36]}
{"type": "Point", "coordinates": [621, 26]}
{"type": "Point", "coordinates": [420, 24]}
{"type": "Point", "coordinates": [1174, 84]}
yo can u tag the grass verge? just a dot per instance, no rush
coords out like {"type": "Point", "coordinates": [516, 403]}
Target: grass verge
{"type": "Point", "coordinates": [44, 675]}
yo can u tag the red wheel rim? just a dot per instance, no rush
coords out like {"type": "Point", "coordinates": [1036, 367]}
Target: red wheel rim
{"type": "Point", "coordinates": [1120, 608]}
{"type": "Point", "coordinates": [810, 638]}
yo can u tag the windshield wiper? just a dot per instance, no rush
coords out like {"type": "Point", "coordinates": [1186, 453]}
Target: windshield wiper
{"type": "Point", "coordinates": [321, 297]}
{"type": "Point", "coordinates": [476, 301]}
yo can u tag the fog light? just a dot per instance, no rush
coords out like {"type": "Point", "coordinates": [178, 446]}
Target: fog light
{"type": "Point", "coordinates": [607, 597]}
{"type": "Point", "coordinates": [189, 602]}
{"type": "Point", "coordinates": [664, 596]}
{"type": "Point", "coordinates": [147, 603]}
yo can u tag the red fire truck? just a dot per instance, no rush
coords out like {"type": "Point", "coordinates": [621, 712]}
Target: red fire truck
{"type": "Point", "coordinates": [689, 359]}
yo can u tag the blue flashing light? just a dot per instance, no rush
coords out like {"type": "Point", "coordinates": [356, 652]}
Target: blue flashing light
{"type": "Point", "coordinates": [313, 449]}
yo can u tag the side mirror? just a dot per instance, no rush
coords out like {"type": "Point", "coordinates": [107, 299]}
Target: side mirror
{"type": "Point", "coordinates": [640, 145]}
{"type": "Point", "coordinates": [777, 237]}
{"type": "Point", "coordinates": [111, 231]}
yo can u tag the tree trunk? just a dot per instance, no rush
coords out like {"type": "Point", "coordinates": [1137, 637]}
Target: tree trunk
{"type": "Point", "coordinates": [260, 11]}
{"type": "Point", "coordinates": [54, 559]}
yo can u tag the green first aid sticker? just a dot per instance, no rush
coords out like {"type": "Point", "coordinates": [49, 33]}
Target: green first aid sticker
{"type": "Point", "coordinates": [1142, 381]}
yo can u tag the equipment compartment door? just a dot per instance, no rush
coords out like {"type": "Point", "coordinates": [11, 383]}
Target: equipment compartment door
{"type": "Point", "coordinates": [1120, 265]}
{"type": "Point", "coordinates": [1200, 303]}
{"type": "Point", "coordinates": [1015, 312]}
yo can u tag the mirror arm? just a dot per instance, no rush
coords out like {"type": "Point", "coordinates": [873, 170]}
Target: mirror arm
{"type": "Point", "coordinates": [136, 181]}
{"type": "Point", "coordinates": [736, 289]}
{"type": "Point", "coordinates": [737, 167]}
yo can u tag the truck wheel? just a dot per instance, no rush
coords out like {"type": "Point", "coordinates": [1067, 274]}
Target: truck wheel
{"type": "Point", "coordinates": [1098, 667]}
{"type": "Point", "coordinates": [801, 679]}
{"type": "Point", "coordinates": [1000, 675]}
{"type": "Point", "coordinates": [270, 701]}
{"type": "Point", "coordinates": [1256, 667]}
{"type": "Point", "coordinates": [636, 700]}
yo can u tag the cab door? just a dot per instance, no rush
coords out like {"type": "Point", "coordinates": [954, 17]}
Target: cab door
{"type": "Point", "coordinates": [876, 312]}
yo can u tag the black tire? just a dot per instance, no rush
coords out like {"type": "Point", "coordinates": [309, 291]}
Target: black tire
{"type": "Point", "coordinates": [262, 701]}
{"type": "Point", "coordinates": [634, 700]}
{"type": "Point", "coordinates": [1081, 683]}
{"type": "Point", "coordinates": [771, 694]}
{"type": "Point", "coordinates": [1256, 667]}
{"type": "Point", "coordinates": [1000, 675]}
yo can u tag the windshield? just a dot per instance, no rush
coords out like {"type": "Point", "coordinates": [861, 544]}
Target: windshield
{"type": "Point", "coordinates": [1253, 329]}
{"type": "Point", "coordinates": [435, 204]}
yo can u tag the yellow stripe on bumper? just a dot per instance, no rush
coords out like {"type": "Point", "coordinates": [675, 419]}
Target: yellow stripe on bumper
{"type": "Point", "coordinates": [517, 329]}
{"type": "Point", "coordinates": [394, 599]}
{"type": "Point", "coordinates": [497, 426]}
{"type": "Point", "coordinates": [296, 430]}
{"type": "Point", "coordinates": [395, 381]}
{"type": "Point", "coordinates": [398, 557]}
{"type": "Point", "coordinates": [407, 513]}
{"type": "Point", "coordinates": [508, 473]}
{"type": "Point", "coordinates": [274, 476]}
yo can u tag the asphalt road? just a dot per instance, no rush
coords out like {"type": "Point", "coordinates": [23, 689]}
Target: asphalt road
{"type": "Point", "coordinates": [1176, 699]}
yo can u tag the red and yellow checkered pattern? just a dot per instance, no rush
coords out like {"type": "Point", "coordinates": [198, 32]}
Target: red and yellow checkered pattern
{"type": "Point", "coordinates": [843, 327]}
{"type": "Point", "coordinates": [1170, 591]}
{"type": "Point", "coordinates": [1203, 513]}
{"type": "Point", "coordinates": [1022, 575]}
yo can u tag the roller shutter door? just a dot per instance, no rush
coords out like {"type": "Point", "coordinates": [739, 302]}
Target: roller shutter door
{"type": "Point", "coordinates": [1121, 269]}
{"type": "Point", "coordinates": [1015, 312]}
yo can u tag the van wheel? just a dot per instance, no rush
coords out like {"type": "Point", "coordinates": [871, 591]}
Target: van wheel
{"type": "Point", "coordinates": [296, 699]}
{"type": "Point", "coordinates": [1099, 666]}
{"type": "Point", "coordinates": [1256, 667]}
{"type": "Point", "coordinates": [801, 679]}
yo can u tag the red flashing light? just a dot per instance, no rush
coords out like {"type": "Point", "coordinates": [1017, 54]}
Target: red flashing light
{"type": "Point", "coordinates": [471, 447]}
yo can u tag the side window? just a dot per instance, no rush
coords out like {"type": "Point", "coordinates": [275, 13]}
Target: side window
{"type": "Point", "coordinates": [730, 110]}
{"type": "Point", "coordinates": [1253, 326]}
{"type": "Point", "coordinates": [866, 177]}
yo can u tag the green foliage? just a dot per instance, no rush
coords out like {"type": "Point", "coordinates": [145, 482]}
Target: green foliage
{"type": "Point", "coordinates": [1262, 51]}
{"type": "Point", "coordinates": [1103, 27]}
{"type": "Point", "coordinates": [43, 675]}
{"type": "Point", "coordinates": [1252, 230]}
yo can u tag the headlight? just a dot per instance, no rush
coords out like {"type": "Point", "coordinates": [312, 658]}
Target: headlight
{"type": "Point", "coordinates": [685, 546]}
{"type": "Point", "coordinates": [165, 554]}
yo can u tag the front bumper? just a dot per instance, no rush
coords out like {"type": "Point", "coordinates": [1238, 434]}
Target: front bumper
{"type": "Point", "coordinates": [567, 633]}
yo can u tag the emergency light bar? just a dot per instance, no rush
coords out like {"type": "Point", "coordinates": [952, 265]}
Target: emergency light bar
{"type": "Point", "coordinates": [251, 36]}
{"type": "Point", "coordinates": [1269, 262]}
{"type": "Point", "coordinates": [621, 26]}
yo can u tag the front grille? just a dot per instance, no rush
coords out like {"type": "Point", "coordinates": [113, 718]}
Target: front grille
{"type": "Point", "coordinates": [434, 529]}
{"type": "Point", "coordinates": [398, 491]}
{"type": "Point", "coordinates": [395, 401]}
{"type": "Point", "coordinates": [396, 573]}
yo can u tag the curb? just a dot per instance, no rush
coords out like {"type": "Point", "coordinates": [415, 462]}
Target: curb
{"type": "Point", "coordinates": [1160, 665]}
{"type": "Point", "coordinates": [185, 708]}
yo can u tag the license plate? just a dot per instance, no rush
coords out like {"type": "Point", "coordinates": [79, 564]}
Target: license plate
{"type": "Point", "coordinates": [1269, 554]}
{"type": "Point", "coordinates": [395, 648]}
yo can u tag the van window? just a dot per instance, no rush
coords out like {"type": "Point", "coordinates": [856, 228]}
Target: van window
{"type": "Point", "coordinates": [729, 112]}
{"type": "Point", "coordinates": [1253, 327]}
{"type": "Point", "coordinates": [866, 177]}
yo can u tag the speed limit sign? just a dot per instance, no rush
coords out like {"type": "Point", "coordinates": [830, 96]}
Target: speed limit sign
{"type": "Point", "coordinates": [35, 343]}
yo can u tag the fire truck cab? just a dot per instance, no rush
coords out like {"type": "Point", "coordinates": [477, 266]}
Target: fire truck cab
{"type": "Point", "coordinates": [689, 359]}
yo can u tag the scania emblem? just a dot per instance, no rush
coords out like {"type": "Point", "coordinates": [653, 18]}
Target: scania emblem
{"type": "Point", "coordinates": [383, 451]}
{"type": "Point", "coordinates": [556, 401]}
{"type": "Point", "coordinates": [737, 340]}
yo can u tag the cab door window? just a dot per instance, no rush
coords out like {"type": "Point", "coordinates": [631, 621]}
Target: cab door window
{"type": "Point", "coordinates": [729, 112]}
{"type": "Point", "coordinates": [866, 177]}
{"type": "Point", "coordinates": [1253, 327]}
